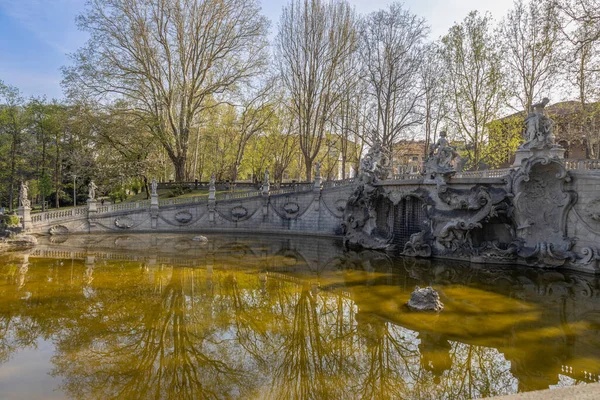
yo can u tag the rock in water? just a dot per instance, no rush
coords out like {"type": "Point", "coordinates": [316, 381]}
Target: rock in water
{"type": "Point", "coordinates": [200, 238]}
{"type": "Point", "coordinates": [426, 299]}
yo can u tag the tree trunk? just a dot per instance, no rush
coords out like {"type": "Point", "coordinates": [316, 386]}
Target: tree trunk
{"type": "Point", "coordinates": [146, 189]}
{"type": "Point", "coordinates": [308, 163]}
{"type": "Point", "coordinates": [179, 164]}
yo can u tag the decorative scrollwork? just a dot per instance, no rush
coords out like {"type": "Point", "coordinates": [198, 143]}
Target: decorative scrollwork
{"type": "Point", "coordinates": [58, 230]}
{"type": "Point", "coordinates": [183, 217]}
{"type": "Point", "coordinates": [124, 222]}
{"type": "Point", "coordinates": [291, 208]}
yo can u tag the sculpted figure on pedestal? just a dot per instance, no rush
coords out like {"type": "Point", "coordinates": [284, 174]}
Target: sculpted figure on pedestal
{"type": "Point", "coordinates": [441, 155]}
{"type": "Point", "coordinates": [23, 195]}
{"type": "Point", "coordinates": [538, 128]}
{"type": "Point", "coordinates": [92, 190]}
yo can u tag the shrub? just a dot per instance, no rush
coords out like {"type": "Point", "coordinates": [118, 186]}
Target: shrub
{"type": "Point", "coordinates": [179, 190]}
{"type": "Point", "coordinates": [9, 220]}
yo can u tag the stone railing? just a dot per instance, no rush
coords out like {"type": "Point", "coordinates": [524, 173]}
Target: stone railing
{"type": "Point", "coordinates": [488, 173]}
{"type": "Point", "coordinates": [407, 177]}
{"type": "Point", "coordinates": [341, 182]}
{"type": "Point", "coordinates": [239, 195]}
{"type": "Point", "coordinates": [585, 165]}
{"type": "Point", "coordinates": [183, 200]}
{"type": "Point", "coordinates": [299, 187]}
{"type": "Point", "coordinates": [59, 214]}
{"type": "Point", "coordinates": [123, 206]}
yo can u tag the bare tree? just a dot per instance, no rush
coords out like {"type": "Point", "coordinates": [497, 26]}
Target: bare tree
{"type": "Point", "coordinates": [168, 58]}
{"type": "Point", "coordinates": [475, 76]}
{"type": "Point", "coordinates": [581, 63]}
{"type": "Point", "coordinates": [392, 49]}
{"type": "Point", "coordinates": [434, 83]}
{"type": "Point", "coordinates": [256, 113]}
{"type": "Point", "coordinates": [531, 38]}
{"type": "Point", "coordinates": [314, 39]}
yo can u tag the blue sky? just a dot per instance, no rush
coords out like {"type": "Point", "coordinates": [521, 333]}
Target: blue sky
{"type": "Point", "coordinates": [37, 35]}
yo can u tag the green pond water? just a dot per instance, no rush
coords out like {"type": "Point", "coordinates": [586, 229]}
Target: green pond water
{"type": "Point", "coordinates": [268, 317]}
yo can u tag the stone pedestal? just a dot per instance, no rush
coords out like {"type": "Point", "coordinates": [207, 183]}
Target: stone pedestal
{"type": "Point", "coordinates": [25, 216]}
{"type": "Point", "coordinates": [212, 199]}
{"type": "Point", "coordinates": [92, 211]}
{"type": "Point", "coordinates": [318, 184]}
{"type": "Point", "coordinates": [522, 154]}
{"type": "Point", "coordinates": [154, 210]}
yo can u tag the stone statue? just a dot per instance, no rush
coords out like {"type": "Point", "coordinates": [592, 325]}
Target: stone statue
{"type": "Point", "coordinates": [92, 190]}
{"type": "Point", "coordinates": [441, 155]}
{"type": "Point", "coordinates": [376, 163]}
{"type": "Point", "coordinates": [538, 128]}
{"type": "Point", "coordinates": [211, 183]}
{"type": "Point", "coordinates": [23, 195]}
{"type": "Point", "coordinates": [266, 180]}
{"type": "Point", "coordinates": [154, 187]}
{"type": "Point", "coordinates": [318, 169]}
{"type": "Point", "coordinates": [443, 152]}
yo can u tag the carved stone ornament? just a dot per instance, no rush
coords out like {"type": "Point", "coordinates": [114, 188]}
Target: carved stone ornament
{"type": "Point", "coordinates": [183, 217]}
{"type": "Point", "coordinates": [58, 230]}
{"type": "Point", "coordinates": [291, 208]}
{"type": "Point", "coordinates": [592, 210]}
{"type": "Point", "coordinates": [541, 204]}
{"type": "Point", "coordinates": [124, 222]}
{"type": "Point", "coordinates": [360, 215]}
{"type": "Point", "coordinates": [418, 245]}
{"type": "Point", "coordinates": [340, 205]}
{"type": "Point", "coordinates": [238, 212]}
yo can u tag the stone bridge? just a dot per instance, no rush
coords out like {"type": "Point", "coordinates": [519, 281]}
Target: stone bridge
{"type": "Point", "coordinates": [315, 208]}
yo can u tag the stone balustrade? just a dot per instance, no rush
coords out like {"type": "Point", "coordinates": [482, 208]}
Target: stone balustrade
{"type": "Point", "coordinates": [183, 200]}
{"type": "Point", "coordinates": [487, 173]}
{"type": "Point", "coordinates": [582, 164]}
{"type": "Point", "coordinates": [238, 195]}
{"type": "Point", "coordinates": [341, 182]}
{"type": "Point", "coordinates": [59, 214]}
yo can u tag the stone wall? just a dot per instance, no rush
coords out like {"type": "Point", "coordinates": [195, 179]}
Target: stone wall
{"type": "Point", "coordinates": [315, 212]}
{"type": "Point", "coordinates": [583, 221]}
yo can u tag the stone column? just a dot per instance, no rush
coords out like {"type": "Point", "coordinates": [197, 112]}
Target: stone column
{"type": "Point", "coordinates": [92, 212]}
{"type": "Point", "coordinates": [212, 200]}
{"type": "Point", "coordinates": [266, 188]}
{"type": "Point", "coordinates": [24, 213]}
{"type": "Point", "coordinates": [154, 205]}
{"type": "Point", "coordinates": [318, 180]}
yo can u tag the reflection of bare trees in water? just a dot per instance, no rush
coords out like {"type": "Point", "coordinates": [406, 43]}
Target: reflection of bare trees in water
{"type": "Point", "coordinates": [163, 349]}
{"type": "Point", "coordinates": [300, 374]}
